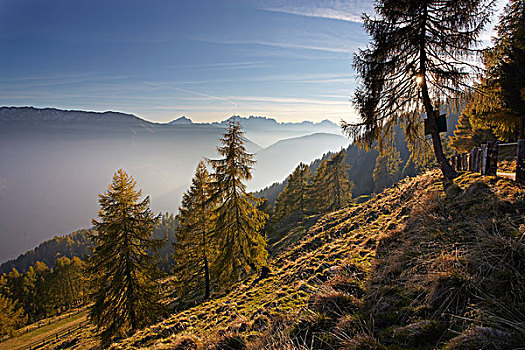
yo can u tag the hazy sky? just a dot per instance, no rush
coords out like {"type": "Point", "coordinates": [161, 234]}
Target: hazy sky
{"type": "Point", "coordinates": [287, 59]}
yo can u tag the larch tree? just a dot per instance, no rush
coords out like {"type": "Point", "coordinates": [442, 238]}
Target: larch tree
{"type": "Point", "coordinates": [387, 170]}
{"type": "Point", "coordinates": [294, 195]}
{"type": "Point", "coordinates": [467, 136]}
{"type": "Point", "coordinates": [298, 185]}
{"type": "Point", "coordinates": [11, 316]}
{"type": "Point", "coordinates": [125, 296]}
{"type": "Point", "coordinates": [331, 187]}
{"type": "Point", "coordinates": [499, 102]}
{"type": "Point", "coordinates": [318, 192]}
{"type": "Point", "coordinates": [238, 223]}
{"type": "Point", "coordinates": [194, 241]}
{"type": "Point", "coordinates": [418, 61]}
{"type": "Point", "coordinates": [43, 307]}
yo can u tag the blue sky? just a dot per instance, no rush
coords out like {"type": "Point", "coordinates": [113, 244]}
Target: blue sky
{"type": "Point", "coordinates": [287, 59]}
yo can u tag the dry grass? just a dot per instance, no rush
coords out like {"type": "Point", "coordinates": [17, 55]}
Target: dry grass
{"type": "Point", "coordinates": [418, 266]}
{"type": "Point", "coordinates": [38, 334]}
{"type": "Point", "coordinates": [339, 247]}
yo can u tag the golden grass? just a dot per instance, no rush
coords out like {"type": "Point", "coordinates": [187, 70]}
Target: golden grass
{"type": "Point", "coordinates": [422, 265]}
{"type": "Point", "coordinates": [38, 334]}
{"type": "Point", "coordinates": [303, 260]}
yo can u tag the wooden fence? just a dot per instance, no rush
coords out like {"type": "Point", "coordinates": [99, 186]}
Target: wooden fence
{"type": "Point", "coordinates": [53, 338]}
{"type": "Point", "coordinates": [484, 159]}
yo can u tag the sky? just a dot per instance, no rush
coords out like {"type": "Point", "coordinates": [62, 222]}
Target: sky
{"type": "Point", "coordinates": [205, 59]}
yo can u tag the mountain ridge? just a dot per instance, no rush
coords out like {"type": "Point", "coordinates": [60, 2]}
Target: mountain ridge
{"type": "Point", "coordinates": [18, 114]}
{"type": "Point", "coordinates": [55, 114]}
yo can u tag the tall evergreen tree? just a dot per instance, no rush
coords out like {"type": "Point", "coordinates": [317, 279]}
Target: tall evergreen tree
{"type": "Point", "coordinates": [238, 223]}
{"type": "Point", "coordinates": [499, 102]}
{"type": "Point", "coordinates": [29, 298]}
{"type": "Point", "coordinates": [331, 187]}
{"type": "Point", "coordinates": [42, 286]}
{"type": "Point", "coordinates": [417, 61]}
{"type": "Point", "coordinates": [387, 170]}
{"type": "Point", "coordinates": [11, 316]}
{"type": "Point", "coordinates": [194, 245]}
{"type": "Point", "coordinates": [294, 195]}
{"type": "Point", "coordinates": [125, 297]}
{"type": "Point", "coordinates": [466, 136]}
{"type": "Point", "coordinates": [318, 193]}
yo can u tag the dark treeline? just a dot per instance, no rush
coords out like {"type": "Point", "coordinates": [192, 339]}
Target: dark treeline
{"type": "Point", "coordinates": [71, 245]}
{"type": "Point", "coordinates": [77, 244]}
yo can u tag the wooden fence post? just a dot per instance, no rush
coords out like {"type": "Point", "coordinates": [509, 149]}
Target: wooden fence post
{"type": "Point", "coordinates": [464, 162]}
{"type": "Point", "coordinates": [471, 160]}
{"type": "Point", "coordinates": [493, 158]}
{"type": "Point", "coordinates": [520, 162]}
{"type": "Point", "coordinates": [478, 159]}
{"type": "Point", "coordinates": [484, 159]}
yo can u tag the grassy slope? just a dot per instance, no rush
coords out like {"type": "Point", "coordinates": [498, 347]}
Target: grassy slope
{"type": "Point", "coordinates": [305, 259]}
{"type": "Point", "coordinates": [415, 267]}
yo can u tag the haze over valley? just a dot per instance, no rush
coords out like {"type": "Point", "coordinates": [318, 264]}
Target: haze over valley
{"type": "Point", "coordinates": [55, 163]}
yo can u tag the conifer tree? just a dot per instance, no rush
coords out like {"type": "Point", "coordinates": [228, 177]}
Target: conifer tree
{"type": "Point", "coordinates": [42, 290]}
{"type": "Point", "coordinates": [123, 274]}
{"type": "Point", "coordinates": [418, 61]}
{"type": "Point", "coordinates": [195, 245]}
{"type": "Point", "coordinates": [294, 195]}
{"type": "Point", "coordinates": [331, 187]}
{"type": "Point", "coordinates": [318, 194]}
{"type": "Point", "coordinates": [499, 102]}
{"type": "Point", "coordinates": [298, 186]}
{"type": "Point", "coordinates": [238, 223]}
{"type": "Point", "coordinates": [68, 282]}
{"type": "Point", "coordinates": [387, 169]}
{"type": "Point", "coordinates": [11, 316]}
{"type": "Point", "coordinates": [14, 285]}
{"type": "Point", "coordinates": [28, 298]}
{"type": "Point", "coordinates": [466, 136]}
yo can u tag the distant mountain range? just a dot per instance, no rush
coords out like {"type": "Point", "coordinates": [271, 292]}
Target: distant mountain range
{"type": "Point", "coordinates": [54, 163]}
{"type": "Point", "coordinates": [267, 131]}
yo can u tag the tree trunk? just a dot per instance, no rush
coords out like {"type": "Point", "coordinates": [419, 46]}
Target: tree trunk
{"type": "Point", "coordinates": [448, 171]}
{"type": "Point", "coordinates": [206, 278]}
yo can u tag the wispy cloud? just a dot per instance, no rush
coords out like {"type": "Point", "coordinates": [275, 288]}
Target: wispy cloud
{"type": "Point", "coordinates": [350, 11]}
{"type": "Point", "coordinates": [81, 77]}
{"type": "Point", "coordinates": [334, 48]}
{"type": "Point", "coordinates": [224, 65]}
{"type": "Point", "coordinates": [288, 100]}
{"type": "Point", "coordinates": [289, 78]}
{"type": "Point", "coordinates": [196, 93]}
